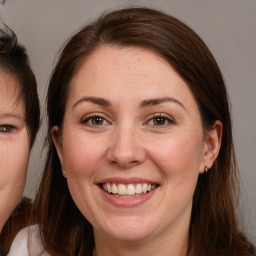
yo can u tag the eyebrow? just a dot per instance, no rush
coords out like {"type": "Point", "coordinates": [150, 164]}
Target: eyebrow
{"type": "Point", "coordinates": [157, 101]}
{"type": "Point", "coordinates": [12, 116]}
{"type": "Point", "coordinates": [96, 100]}
{"type": "Point", "coordinates": [145, 103]}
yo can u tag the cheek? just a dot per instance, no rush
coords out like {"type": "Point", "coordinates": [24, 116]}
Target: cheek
{"type": "Point", "coordinates": [177, 160]}
{"type": "Point", "coordinates": [14, 157]}
{"type": "Point", "coordinates": [81, 155]}
{"type": "Point", "coordinates": [14, 163]}
{"type": "Point", "coordinates": [178, 156]}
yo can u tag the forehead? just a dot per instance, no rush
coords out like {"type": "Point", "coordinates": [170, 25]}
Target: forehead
{"type": "Point", "coordinates": [127, 69]}
{"type": "Point", "coordinates": [10, 95]}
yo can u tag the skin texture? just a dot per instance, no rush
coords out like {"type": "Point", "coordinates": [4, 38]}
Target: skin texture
{"type": "Point", "coordinates": [14, 146]}
{"type": "Point", "coordinates": [128, 143]}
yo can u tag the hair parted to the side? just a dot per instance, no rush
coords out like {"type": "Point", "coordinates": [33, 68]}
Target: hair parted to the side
{"type": "Point", "coordinates": [213, 228]}
{"type": "Point", "coordinates": [14, 60]}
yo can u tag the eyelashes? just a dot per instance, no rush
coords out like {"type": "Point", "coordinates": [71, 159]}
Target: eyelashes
{"type": "Point", "coordinates": [154, 120]}
{"type": "Point", "coordinates": [160, 119]}
{"type": "Point", "coordinates": [5, 128]}
{"type": "Point", "coordinates": [95, 120]}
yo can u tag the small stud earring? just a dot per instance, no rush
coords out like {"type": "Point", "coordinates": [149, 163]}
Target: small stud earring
{"type": "Point", "coordinates": [64, 173]}
{"type": "Point", "coordinates": [205, 169]}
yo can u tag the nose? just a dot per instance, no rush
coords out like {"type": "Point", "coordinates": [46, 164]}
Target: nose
{"type": "Point", "coordinates": [125, 148]}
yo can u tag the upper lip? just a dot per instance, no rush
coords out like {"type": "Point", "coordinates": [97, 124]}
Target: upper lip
{"type": "Point", "coordinates": [119, 180]}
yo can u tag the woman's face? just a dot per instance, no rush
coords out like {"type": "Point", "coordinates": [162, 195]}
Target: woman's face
{"type": "Point", "coordinates": [132, 145]}
{"type": "Point", "coordinates": [14, 146]}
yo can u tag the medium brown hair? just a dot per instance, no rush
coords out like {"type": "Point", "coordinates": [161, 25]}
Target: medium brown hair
{"type": "Point", "coordinates": [14, 60]}
{"type": "Point", "coordinates": [213, 227]}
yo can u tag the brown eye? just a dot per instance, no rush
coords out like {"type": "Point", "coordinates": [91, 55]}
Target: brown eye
{"type": "Point", "coordinates": [97, 120]}
{"type": "Point", "coordinates": [6, 128]}
{"type": "Point", "coordinates": [159, 120]}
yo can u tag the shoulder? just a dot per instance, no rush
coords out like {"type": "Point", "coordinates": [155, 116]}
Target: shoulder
{"type": "Point", "coordinates": [27, 243]}
{"type": "Point", "coordinates": [20, 243]}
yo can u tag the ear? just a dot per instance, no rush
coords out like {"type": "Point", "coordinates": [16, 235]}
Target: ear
{"type": "Point", "coordinates": [211, 145]}
{"type": "Point", "coordinates": [56, 137]}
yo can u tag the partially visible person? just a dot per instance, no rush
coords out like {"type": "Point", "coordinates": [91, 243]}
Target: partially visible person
{"type": "Point", "coordinates": [19, 219]}
{"type": "Point", "coordinates": [140, 152]}
{"type": "Point", "coordinates": [19, 120]}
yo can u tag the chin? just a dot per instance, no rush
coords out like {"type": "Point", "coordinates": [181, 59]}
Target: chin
{"type": "Point", "coordinates": [129, 229]}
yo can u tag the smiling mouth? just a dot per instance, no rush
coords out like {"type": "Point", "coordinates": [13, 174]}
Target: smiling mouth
{"type": "Point", "coordinates": [128, 190]}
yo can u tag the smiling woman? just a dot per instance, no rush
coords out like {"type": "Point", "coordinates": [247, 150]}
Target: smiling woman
{"type": "Point", "coordinates": [134, 139]}
{"type": "Point", "coordinates": [19, 122]}
{"type": "Point", "coordinates": [134, 125]}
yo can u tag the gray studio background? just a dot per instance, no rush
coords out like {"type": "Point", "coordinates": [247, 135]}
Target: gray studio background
{"type": "Point", "coordinates": [227, 26]}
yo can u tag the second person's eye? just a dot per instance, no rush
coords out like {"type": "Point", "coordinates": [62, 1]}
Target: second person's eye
{"type": "Point", "coordinates": [6, 128]}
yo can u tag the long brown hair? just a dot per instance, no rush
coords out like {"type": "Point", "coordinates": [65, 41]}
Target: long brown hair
{"type": "Point", "coordinates": [213, 227]}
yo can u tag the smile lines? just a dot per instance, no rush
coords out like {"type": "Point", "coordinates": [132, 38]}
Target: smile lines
{"type": "Point", "coordinates": [128, 190]}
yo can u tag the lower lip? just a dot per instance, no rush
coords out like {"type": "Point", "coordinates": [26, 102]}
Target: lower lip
{"type": "Point", "coordinates": [127, 202]}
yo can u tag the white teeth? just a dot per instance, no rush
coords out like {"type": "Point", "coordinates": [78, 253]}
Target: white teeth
{"type": "Point", "coordinates": [121, 190]}
{"type": "Point", "coordinates": [138, 189]}
{"type": "Point", "coordinates": [144, 188]}
{"type": "Point", "coordinates": [128, 190]}
{"type": "Point", "coordinates": [114, 189]}
{"type": "Point", "coordinates": [104, 186]}
{"type": "Point", "coordinates": [109, 188]}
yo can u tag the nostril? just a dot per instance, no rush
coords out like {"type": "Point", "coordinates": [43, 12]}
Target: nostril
{"type": "Point", "coordinates": [125, 150]}
{"type": "Point", "coordinates": [124, 163]}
